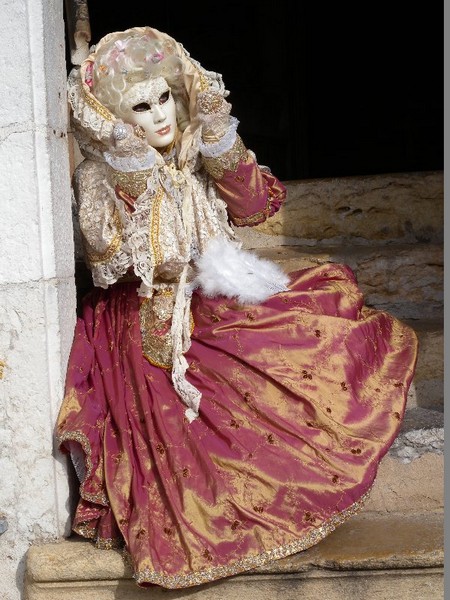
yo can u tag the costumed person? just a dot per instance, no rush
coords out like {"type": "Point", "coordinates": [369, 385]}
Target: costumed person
{"type": "Point", "coordinates": [219, 412]}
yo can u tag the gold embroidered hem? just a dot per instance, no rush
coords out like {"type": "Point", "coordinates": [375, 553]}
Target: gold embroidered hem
{"type": "Point", "coordinates": [82, 439]}
{"type": "Point", "coordinates": [252, 562]}
{"type": "Point", "coordinates": [258, 217]}
{"type": "Point", "coordinates": [88, 531]}
{"type": "Point", "coordinates": [228, 161]}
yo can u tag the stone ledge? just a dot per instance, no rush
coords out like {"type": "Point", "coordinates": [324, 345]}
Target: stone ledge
{"type": "Point", "coordinates": [413, 487]}
{"type": "Point", "coordinates": [401, 584]}
{"type": "Point", "coordinates": [366, 542]}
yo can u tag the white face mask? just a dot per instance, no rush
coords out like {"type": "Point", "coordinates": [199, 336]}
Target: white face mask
{"type": "Point", "coordinates": [150, 104]}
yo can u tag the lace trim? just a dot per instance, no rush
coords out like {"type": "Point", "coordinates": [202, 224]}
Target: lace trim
{"type": "Point", "coordinates": [128, 164]}
{"type": "Point", "coordinates": [251, 562]}
{"type": "Point", "coordinates": [94, 118]}
{"type": "Point", "coordinates": [226, 162]}
{"type": "Point", "coordinates": [181, 341]}
{"type": "Point", "coordinates": [105, 274]}
{"type": "Point", "coordinates": [225, 143]}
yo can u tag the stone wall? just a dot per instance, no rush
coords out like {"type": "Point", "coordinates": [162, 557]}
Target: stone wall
{"type": "Point", "coordinates": [37, 295]}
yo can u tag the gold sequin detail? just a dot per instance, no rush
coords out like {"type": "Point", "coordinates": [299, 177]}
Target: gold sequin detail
{"type": "Point", "coordinates": [96, 258]}
{"type": "Point", "coordinates": [204, 81]}
{"type": "Point", "coordinates": [133, 183]}
{"type": "Point", "coordinates": [155, 316]}
{"type": "Point", "coordinates": [210, 102]}
{"type": "Point", "coordinates": [251, 562]}
{"type": "Point", "coordinates": [228, 161]}
{"type": "Point", "coordinates": [108, 543]}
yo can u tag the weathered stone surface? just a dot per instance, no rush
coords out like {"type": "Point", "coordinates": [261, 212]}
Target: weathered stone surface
{"type": "Point", "coordinates": [402, 584]}
{"type": "Point", "coordinates": [422, 431]}
{"type": "Point", "coordinates": [408, 487]}
{"type": "Point", "coordinates": [401, 208]}
{"type": "Point", "coordinates": [427, 390]}
{"type": "Point", "coordinates": [361, 557]}
{"type": "Point", "coordinates": [407, 280]}
{"type": "Point", "coordinates": [3, 525]}
{"type": "Point", "coordinates": [366, 542]}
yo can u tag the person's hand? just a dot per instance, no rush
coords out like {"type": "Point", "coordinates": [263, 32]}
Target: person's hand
{"type": "Point", "coordinates": [214, 115]}
{"type": "Point", "coordinates": [129, 149]}
{"type": "Point", "coordinates": [129, 140]}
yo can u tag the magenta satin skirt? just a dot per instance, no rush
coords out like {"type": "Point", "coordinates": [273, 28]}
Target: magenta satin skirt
{"type": "Point", "coordinates": [301, 397]}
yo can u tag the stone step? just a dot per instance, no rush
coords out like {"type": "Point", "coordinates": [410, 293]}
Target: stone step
{"type": "Point", "coordinates": [406, 280]}
{"type": "Point", "coordinates": [392, 208]}
{"type": "Point", "coordinates": [371, 556]}
{"type": "Point", "coordinates": [410, 477]}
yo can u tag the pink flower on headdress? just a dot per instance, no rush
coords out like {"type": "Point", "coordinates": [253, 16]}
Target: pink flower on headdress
{"type": "Point", "coordinates": [88, 74]}
{"type": "Point", "coordinates": [119, 48]}
{"type": "Point", "coordinates": [156, 57]}
{"type": "Point", "coordinates": [120, 45]}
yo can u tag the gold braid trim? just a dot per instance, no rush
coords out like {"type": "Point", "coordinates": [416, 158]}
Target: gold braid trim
{"type": "Point", "coordinates": [228, 161]}
{"type": "Point", "coordinates": [97, 106]}
{"type": "Point", "coordinates": [255, 218]}
{"type": "Point", "coordinates": [154, 226]}
{"type": "Point", "coordinates": [96, 258]}
{"type": "Point", "coordinates": [251, 562]}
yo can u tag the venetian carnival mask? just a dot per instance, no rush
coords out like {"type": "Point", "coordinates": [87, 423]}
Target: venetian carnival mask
{"type": "Point", "coordinates": [150, 104]}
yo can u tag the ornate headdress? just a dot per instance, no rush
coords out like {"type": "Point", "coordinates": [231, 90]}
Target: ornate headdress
{"type": "Point", "coordinates": [122, 58]}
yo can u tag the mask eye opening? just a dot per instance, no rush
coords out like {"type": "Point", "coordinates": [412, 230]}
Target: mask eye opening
{"type": "Point", "coordinates": [141, 107]}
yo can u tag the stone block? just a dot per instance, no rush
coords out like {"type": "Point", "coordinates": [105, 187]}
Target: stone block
{"type": "Point", "coordinates": [400, 208]}
{"type": "Point", "coordinates": [406, 280]}
{"type": "Point", "coordinates": [427, 390]}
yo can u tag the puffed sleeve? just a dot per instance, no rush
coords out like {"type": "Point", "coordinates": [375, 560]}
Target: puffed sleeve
{"type": "Point", "coordinates": [252, 193]}
{"type": "Point", "coordinates": [100, 223]}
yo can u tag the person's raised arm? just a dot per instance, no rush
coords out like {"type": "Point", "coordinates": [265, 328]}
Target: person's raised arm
{"type": "Point", "coordinates": [252, 193]}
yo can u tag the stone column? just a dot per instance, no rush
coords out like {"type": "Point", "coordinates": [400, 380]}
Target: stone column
{"type": "Point", "coordinates": [37, 293]}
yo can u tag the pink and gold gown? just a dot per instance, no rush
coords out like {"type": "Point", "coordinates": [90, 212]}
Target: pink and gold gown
{"type": "Point", "coordinates": [302, 395]}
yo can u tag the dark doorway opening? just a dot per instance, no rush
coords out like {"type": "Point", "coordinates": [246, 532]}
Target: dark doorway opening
{"type": "Point", "coordinates": [320, 89]}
